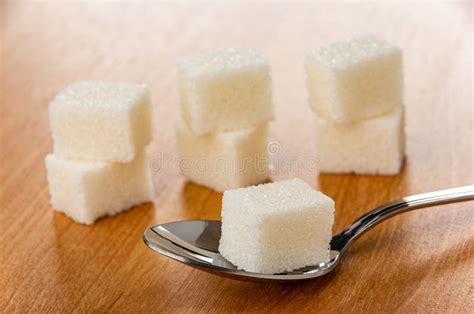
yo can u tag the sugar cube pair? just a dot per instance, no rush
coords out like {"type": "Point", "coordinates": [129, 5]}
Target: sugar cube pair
{"type": "Point", "coordinates": [223, 126]}
{"type": "Point", "coordinates": [356, 90]}
{"type": "Point", "coordinates": [99, 166]}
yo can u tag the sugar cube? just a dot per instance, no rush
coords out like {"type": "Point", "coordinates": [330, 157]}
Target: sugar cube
{"type": "Point", "coordinates": [374, 146]}
{"type": "Point", "coordinates": [225, 90]}
{"type": "Point", "coordinates": [86, 191]}
{"type": "Point", "coordinates": [355, 80]}
{"type": "Point", "coordinates": [276, 227]}
{"type": "Point", "coordinates": [101, 121]}
{"type": "Point", "coordinates": [223, 160]}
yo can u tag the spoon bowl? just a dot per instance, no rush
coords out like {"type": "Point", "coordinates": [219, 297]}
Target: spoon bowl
{"type": "Point", "coordinates": [195, 242]}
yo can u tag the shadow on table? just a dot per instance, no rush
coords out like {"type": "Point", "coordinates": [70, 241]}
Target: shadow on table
{"type": "Point", "coordinates": [341, 284]}
{"type": "Point", "coordinates": [93, 256]}
{"type": "Point", "coordinates": [356, 195]}
{"type": "Point", "coordinates": [199, 202]}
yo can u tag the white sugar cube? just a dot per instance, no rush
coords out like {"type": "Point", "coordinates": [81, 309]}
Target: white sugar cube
{"type": "Point", "coordinates": [101, 121]}
{"type": "Point", "coordinates": [375, 146]}
{"type": "Point", "coordinates": [86, 191]}
{"type": "Point", "coordinates": [225, 90]}
{"type": "Point", "coordinates": [224, 160]}
{"type": "Point", "coordinates": [276, 227]}
{"type": "Point", "coordinates": [355, 80]}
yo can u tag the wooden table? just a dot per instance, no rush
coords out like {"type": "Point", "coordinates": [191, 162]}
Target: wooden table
{"type": "Point", "coordinates": [417, 262]}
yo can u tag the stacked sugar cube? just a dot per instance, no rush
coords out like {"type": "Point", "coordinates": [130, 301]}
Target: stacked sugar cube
{"type": "Point", "coordinates": [276, 227]}
{"type": "Point", "coordinates": [225, 109]}
{"type": "Point", "coordinates": [356, 90]}
{"type": "Point", "coordinates": [99, 166]}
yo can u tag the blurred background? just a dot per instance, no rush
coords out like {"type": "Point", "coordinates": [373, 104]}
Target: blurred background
{"type": "Point", "coordinates": [46, 45]}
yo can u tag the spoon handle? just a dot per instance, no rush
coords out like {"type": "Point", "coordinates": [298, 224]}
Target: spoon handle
{"type": "Point", "coordinates": [381, 213]}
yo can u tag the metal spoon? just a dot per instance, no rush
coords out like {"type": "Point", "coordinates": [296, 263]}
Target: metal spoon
{"type": "Point", "coordinates": [195, 242]}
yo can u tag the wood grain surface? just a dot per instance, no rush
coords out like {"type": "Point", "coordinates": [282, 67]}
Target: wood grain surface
{"type": "Point", "coordinates": [421, 261]}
